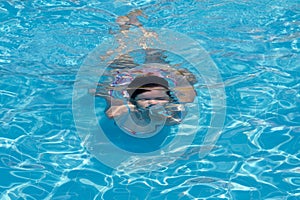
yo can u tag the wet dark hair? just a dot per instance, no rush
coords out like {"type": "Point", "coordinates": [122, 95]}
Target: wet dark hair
{"type": "Point", "coordinates": [142, 84]}
{"type": "Point", "coordinates": [144, 88]}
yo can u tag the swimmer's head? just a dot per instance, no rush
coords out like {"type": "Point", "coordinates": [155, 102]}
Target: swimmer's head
{"type": "Point", "coordinates": [146, 91]}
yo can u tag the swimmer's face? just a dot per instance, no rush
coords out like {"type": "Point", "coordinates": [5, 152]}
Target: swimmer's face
{"type": "Point", "coordinates": [153, 96]}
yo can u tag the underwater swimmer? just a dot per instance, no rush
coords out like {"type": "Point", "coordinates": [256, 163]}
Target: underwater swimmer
{"type": "Point", "coordinates": [149, 99]}
{"type": "Point", "coordinates": [144, 90]}
{"type": "Point", "coordinates": [146, 96]}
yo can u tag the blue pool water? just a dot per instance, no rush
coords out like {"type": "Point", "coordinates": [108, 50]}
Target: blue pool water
{"type": "Point", "coordinates": [255, 47]}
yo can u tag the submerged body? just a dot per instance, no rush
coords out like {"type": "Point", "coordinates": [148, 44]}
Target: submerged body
{"type": "Point", "coordinates": [144, 97]}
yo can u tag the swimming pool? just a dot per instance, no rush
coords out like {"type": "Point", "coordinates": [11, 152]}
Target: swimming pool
{"type": "Point", "coordinates": [255, 48]}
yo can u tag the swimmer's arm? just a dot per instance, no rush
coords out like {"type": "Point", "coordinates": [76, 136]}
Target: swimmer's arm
{"type": "Point", "coordinates": [185, 94]}
{"type": "Point", "coordinates": [115, 111]}
{"type": "Point", "coordinates": [116, 107]}
{"type": "Point", "coordinates": [109, 99]}
{"type": "Point", "coordinates": [184, 90]}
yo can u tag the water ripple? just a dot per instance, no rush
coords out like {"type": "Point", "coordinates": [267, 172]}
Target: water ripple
{"type": "Point", "coordinates": [254, 44]}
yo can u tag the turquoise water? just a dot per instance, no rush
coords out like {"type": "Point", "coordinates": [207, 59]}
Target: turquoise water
{"type": "Point", "coordinates": [255, 46]}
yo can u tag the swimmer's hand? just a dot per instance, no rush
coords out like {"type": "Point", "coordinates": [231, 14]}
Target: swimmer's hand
{"type": "Point", "coordinates": [115, 111]}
